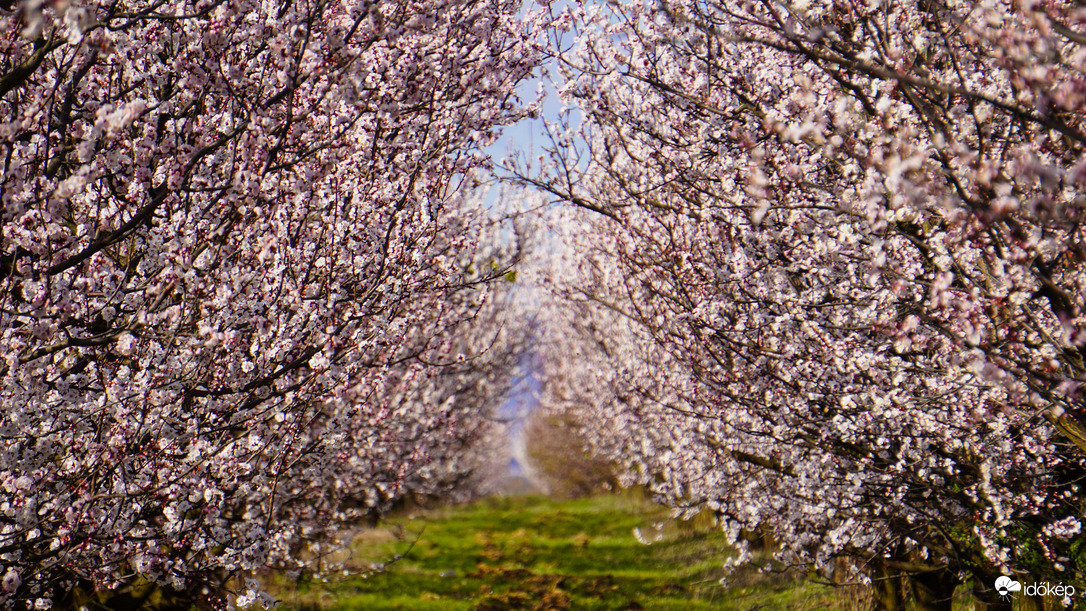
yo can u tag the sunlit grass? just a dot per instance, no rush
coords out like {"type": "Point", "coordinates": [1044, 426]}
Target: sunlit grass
{"type": "Point", "coordinates": [539, 553]}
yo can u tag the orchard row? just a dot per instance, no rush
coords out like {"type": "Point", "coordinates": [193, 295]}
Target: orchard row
{"type": "Point", "coordinates": [816, 267]}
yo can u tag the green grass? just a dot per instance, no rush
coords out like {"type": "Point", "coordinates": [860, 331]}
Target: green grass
{"type": "Point", "coordinates": [539, 553]}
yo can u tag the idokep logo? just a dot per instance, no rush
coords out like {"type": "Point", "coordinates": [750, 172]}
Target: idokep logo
{"type": "Point", "coordinates": [1005, 585]}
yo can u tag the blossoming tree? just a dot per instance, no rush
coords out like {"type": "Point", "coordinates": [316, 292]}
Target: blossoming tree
{"type": "Point", "coordinates": [843, 240]}
{"type": "Point", "coordinates": [245, 289]}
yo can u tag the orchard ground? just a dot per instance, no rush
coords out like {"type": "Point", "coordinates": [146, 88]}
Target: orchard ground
{"type": "Point", "coordinates": [531, 552]}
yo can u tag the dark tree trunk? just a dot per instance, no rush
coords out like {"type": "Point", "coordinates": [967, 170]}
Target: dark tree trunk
{"type": "Point", "coordinates": [888, 590]}
{"type": "Point", "coordinates": [934, 590]}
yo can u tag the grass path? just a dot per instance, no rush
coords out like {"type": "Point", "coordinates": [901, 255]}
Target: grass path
{"type": "Point", "coordinates": [538, 553]}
